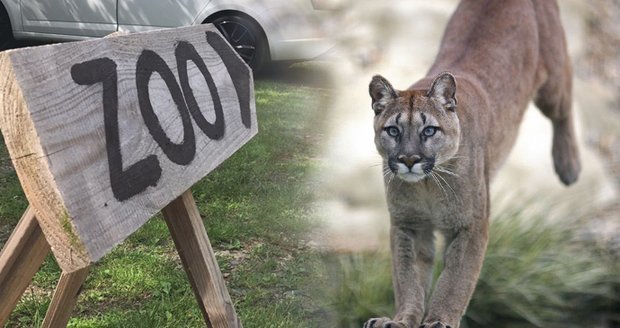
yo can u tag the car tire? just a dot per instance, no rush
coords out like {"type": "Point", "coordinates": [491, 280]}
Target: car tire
{"type": "Point", "coordinates": [6, 32]}
{"type": "Point", "coordinates": [245, 36]}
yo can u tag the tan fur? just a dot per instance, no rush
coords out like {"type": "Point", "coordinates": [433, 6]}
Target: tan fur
{"type": "Point", "coordinates": [495, 57]}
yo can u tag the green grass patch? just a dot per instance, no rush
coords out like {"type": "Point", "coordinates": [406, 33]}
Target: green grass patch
{"type": "Point", "coordinates": [256, 208]}
{"type": "Point", "coordinates": [12, 200]}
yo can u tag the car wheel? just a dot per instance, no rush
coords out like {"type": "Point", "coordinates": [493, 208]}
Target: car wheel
{"type": "Point", "coordinates": [246, 37]}
{"type": "Point", "coordinates": [6, 33]}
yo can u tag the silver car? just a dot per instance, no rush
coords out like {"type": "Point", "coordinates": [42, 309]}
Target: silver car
{"type": "Point", "coordinates": [260, 30]}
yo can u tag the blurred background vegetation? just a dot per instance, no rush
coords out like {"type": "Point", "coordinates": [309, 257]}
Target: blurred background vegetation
{"type": "Point", "coordinates": [537, 273]}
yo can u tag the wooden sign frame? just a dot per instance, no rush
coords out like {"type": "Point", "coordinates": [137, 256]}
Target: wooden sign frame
{"type": "Point", "coordinates": [26, 249]}
{"type": "Point", "coordinates": [35, 235]}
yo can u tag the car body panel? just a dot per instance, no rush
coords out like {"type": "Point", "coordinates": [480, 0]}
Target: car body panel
{"type": "Point", "coordinates": [92, 18]}
{"type": "Point", "coordinates": [292, 27]}
{"type": "Point", "coordinates": [159, 14]}
{"type": "Point", "coordinates": [13, 9]}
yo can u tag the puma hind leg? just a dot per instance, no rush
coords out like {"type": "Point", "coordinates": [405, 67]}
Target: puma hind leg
{"type": "Point", "coordinates": [554, 99]}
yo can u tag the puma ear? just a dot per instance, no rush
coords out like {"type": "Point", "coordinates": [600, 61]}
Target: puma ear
{"type": "Point", "coordinates": [381, 92]}
{"type": "Point", "coordinates": [444, 90]}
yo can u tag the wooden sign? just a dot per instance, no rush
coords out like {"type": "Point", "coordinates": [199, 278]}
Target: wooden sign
{"type": "Point", "coordinates": [105, 133]}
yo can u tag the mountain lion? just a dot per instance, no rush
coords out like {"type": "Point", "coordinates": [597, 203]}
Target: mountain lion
{"type": "Point", "coordinates": [443, 139]}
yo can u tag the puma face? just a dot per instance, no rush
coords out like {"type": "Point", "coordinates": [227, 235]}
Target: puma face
{"type": "Point", "coordinates": [415, 131]}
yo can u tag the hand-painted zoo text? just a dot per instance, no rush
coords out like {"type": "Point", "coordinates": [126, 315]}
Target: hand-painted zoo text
{"type": "Point", "coordinates": [130, 181]}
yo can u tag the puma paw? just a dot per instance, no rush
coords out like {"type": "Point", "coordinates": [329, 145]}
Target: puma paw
{"type": "Point", "coordinates": [436, 324]}
{"type": "Point", "coordinates": [383, 323]}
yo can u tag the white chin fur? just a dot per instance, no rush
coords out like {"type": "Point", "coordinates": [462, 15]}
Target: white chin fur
{"type": "Point", "coordinates": [414, 175]}
{"type": "Point", "coordinates": [411, 177]}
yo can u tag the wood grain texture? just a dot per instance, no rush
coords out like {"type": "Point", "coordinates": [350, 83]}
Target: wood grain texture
{"type": "Point", "coordinates": [20, 260]}
{"type": "Point", "coordinates": [64, 299]}
{"type": "Point", "coordinates": [192, 243]}
{"type": "Point", "coordinates": [55, 133]}
{"type": "Point", "coordinates": [32, 169]}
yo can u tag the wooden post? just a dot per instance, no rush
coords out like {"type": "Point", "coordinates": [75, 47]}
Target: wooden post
{"type": "Point", "coordinates": [26, 249]}
{"type": "Point", "coordinates": [65, 297]}
{"type": "Point", "coordinates": [192, 243]}
{"type": "Point", "coordinates": [20, 260]}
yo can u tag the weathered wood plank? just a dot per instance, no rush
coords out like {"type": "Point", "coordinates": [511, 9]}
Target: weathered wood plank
{"type": "Point", "coordinates": [192, 242]}
{"type": "Point", "coordinates": [64, 299]}
{"type": "Point", "coordinates": [20, 260]}
{"type": "Point", "coordinates": [104, 133]}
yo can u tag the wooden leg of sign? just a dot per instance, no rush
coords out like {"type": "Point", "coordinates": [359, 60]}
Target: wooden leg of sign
{"type": "Point", "coordinates": [192, 242]}
{"type": "Point", "coordinates": [65, 297]}
{"type": "Point", "coordinates": [20, 260]}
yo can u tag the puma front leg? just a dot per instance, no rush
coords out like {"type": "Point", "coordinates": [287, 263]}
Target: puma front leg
{"type": "Point", "coordinates": [464, 254]}
{"type": "Point", "coordinates": [412, 264]}
{"type": "Point", "coordinates": [413, 253]}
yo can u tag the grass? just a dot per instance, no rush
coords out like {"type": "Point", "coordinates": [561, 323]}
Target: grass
{"type": "Point", "coordinates": [536, 273]}
{"type": "Point", "coordinates": [361, 288]}
{"type": "Point", "coordinates": [256, 210]}
{"type": "Point", "coordinates": [12, 200]}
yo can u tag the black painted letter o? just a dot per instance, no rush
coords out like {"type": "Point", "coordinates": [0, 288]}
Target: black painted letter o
{"type": "Point", "coordinates": [184, 52]}
{"type": "Point", "coordinates": [148, 63]}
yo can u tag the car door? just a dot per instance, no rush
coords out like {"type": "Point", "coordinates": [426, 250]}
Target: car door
{"type": "Point", "coordinates": [141, 15]}
{"type": "Point", "coordinates": [64, 18]}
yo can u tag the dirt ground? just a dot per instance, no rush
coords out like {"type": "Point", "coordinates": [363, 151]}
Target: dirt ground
{"type": "Point", "coordinates": [399, 40]}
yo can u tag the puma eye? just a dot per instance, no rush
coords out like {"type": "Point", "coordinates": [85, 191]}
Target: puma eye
{"type": "Point", "coordinates": [429, 131]}
{"type": "Point", "coordinates": [392, 131]}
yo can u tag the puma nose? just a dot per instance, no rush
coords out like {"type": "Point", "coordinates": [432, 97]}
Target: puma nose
{"type": "Point", "coordinates": [409, 160]}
